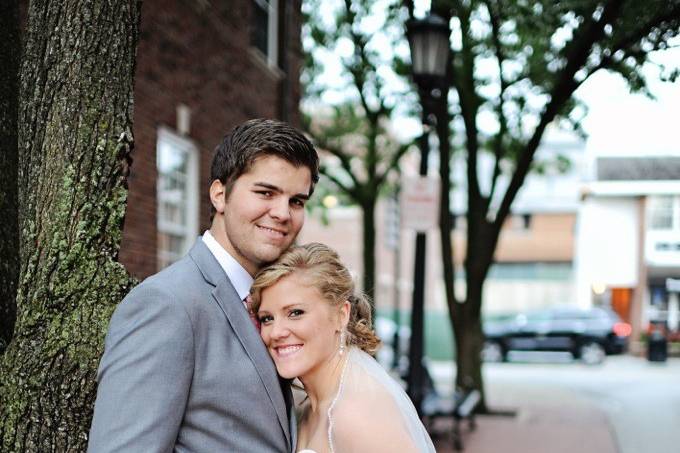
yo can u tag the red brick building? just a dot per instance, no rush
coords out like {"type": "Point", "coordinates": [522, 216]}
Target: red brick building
{"type": "Point", "coordinates": [202, 68]}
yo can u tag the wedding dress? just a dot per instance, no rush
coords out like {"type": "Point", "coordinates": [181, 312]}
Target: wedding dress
{"type": "Point", "coordinates": [366, 393]}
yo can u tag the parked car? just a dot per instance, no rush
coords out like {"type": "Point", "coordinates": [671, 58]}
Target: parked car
{"type": "Point", "coordinates": [589, 335]}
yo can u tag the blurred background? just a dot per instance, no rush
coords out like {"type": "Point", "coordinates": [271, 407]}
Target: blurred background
{"type": "Point", "coordinates": [554, 242]}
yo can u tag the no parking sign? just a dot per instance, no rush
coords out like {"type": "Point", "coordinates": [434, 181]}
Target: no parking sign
{"type": "Point", "coordinates": [419, 203]}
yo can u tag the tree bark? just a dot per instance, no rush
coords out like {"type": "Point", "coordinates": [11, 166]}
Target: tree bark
{"type": "Point", "coordinates": [467, 320]}
{"type": "Point", "coordinates": [469, 341]}
{"type": "Point", "coordinates": [10, 49]}
{"type": "Point", "coordinates": [75, 122]}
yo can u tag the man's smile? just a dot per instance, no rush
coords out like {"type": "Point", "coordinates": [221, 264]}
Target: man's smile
{"type": "Point", "coordinates": [273, 232]}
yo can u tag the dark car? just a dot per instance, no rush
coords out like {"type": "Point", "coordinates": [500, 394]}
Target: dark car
{"type": "Point", "coordinates": [588, 335]}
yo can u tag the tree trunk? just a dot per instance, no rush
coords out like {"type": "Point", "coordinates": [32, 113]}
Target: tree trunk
{"type": "Point", "coordinates": [467, 319]}
{"type": "Point", "coordinates": [469, 340]}
{"type": "Point", "coordinates": [368, 220]}
{"type": "Point", "coordinates": [10, 49]}
{"type": "Point", "coordinates": [75, 140]}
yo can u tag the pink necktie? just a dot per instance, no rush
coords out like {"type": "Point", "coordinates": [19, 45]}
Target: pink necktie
{"type": "Point", "coordinates": [248, 303]}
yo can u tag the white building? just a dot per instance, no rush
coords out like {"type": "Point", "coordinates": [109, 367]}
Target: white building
{"type": "Point", "coordinates": [628, 239]}
{"type": "Point", "coordinates": [533, 265]}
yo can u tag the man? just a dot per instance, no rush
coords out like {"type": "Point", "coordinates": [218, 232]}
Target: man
{"type": "Point", "coordinates": [184, 368]}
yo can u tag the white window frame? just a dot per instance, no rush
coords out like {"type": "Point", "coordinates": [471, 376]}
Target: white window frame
{"type": "Point", "coordinates": [189, 230]}
{"type": "Point", "coordinates": [674, 212]}
{"type": "Point", "coordinates": [272, 56]}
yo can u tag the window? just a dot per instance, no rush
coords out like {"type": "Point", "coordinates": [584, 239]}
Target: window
{"type": "Point", "coordinates": [177, 194]}
{"type": "Point", "coordinates": [521, 221]}
{"type": "Point", "coordinates": [660, 212]}
{"type": "Point", "coordinates": [526, 221]}
{"type": "Point", "coordinates": [264, 29]}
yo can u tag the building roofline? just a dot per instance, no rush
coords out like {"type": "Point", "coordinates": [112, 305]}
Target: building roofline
{"type": "Point", "coordinates": [630, 188]}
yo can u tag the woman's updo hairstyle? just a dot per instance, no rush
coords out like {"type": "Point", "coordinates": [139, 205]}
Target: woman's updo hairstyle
{"type": "Point", "coordinates": [320, 267]}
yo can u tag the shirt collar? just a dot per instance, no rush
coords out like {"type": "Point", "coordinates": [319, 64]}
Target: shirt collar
{"type": "Point", "coordinates": [239, 277]}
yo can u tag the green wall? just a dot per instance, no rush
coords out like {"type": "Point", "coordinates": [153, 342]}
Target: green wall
{"type": "Point", "coordinates": [438, 334]}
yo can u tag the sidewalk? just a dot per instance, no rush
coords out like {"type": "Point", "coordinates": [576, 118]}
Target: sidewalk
{"type": "Point", "coordinates": [545, 421]}
{"type": "Point", "coordinates": [533, 429]}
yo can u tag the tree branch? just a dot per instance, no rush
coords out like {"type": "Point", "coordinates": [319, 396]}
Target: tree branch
{"type": "Point", "coordinates": [494, 18]}
{"type": "Point", "coordinates": [409, 7]}
{"type": "Point", "coordinates": [585, 36]}
{"type": "Point", "coordinates": [464, 84]}
{"type": "Point", "coordinates": [355, 70]}
{"type": "Point", "coordinates": [627, 41]}
{"type": "Point", "coordinates": [394, 161]}
{"type": "Point", "coordinates": [344, 158]}
{"type": "Point", "coordinates": [353, 192]}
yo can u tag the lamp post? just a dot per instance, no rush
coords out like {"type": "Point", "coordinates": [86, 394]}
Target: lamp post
{"type": "Point", "coordinates": [429, 42]}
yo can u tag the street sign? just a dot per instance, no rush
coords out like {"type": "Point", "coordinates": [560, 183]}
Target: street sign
{"type": "Point", "coordinates": [419, 203]}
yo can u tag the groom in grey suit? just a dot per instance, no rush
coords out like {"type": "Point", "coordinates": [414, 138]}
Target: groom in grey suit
{"type": "Point", "coordinates": [184, 368]}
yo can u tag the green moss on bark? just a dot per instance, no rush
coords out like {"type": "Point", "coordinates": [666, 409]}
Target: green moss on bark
{"type": "Point", "coordinates": [75, 143]}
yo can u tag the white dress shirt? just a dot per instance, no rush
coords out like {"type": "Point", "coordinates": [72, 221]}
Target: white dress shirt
{"type": "Point", "coordinates": [240, 279]}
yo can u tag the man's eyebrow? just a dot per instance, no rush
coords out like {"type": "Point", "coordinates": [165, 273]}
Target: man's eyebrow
{"type": "Point", "coordinates": [266, 185]}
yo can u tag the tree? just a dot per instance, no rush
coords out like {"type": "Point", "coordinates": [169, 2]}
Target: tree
{"type": "Point", "coordinates": [355, 132]}
{"type": "Point", "coordinates": [540, 52]}
{"type": "Point", "coordinates": [75, 118]}
{"type": "Point", "coordinates": [9, 228]}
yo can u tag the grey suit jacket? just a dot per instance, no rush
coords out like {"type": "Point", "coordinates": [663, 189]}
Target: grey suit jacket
{"type": "Point", "coordinates": [184, 370]}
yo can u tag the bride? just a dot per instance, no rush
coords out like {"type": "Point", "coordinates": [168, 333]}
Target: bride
{"type": "Point", "coordinates": [318, 330]}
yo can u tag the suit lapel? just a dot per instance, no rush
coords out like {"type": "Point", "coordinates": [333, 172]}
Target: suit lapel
{"type": "Point", "coordinates": [288, 396]}
{"type": "Point", "coordinates": [226, 297]}
{"type": "Point", "coordinates": [252, 343]}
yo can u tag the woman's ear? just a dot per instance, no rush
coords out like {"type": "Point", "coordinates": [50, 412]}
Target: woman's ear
{"type": "Point", "coordinates": [345, 310]}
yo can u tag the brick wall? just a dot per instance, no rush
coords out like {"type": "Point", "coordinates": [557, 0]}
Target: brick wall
{"type": "Point", "coordinates": [198, 53]}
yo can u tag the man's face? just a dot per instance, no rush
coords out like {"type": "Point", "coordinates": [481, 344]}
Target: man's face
{"type": "Point", "coordinates": [264, 212]}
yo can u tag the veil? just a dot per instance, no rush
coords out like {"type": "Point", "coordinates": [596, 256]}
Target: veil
{"type": "Point", "coordinates": [367, 392]}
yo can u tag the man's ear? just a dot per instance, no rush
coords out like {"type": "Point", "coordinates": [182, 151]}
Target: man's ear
{"type": "Point", "coordinates": [217, 196]}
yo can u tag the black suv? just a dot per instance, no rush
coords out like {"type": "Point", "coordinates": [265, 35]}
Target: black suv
{"type": "Point", "coordinates": [588, 335]}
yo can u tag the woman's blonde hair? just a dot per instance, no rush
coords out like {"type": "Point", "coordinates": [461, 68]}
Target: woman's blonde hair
{"type": "Point", "coordinates": [321, 268]}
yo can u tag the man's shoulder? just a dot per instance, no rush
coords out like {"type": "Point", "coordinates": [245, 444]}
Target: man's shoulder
{"type": "Point", "coordinates": [173, 282]}
{"type": "Point", "coordinates": [169, 275]}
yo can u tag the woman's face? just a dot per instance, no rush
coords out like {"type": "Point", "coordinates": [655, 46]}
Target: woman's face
{"type": "Point", "coordinates": [299, 327]}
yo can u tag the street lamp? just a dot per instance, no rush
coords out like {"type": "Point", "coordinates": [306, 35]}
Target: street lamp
{"type": "Point", "coordinates": [428, 39]}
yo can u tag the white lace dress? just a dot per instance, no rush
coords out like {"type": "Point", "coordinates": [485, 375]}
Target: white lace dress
{"type": "Point", "coordinates": [370, 407]}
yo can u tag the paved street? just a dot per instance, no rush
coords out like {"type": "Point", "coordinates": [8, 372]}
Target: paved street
{"type": "Point", "coordinates": [626, 404]}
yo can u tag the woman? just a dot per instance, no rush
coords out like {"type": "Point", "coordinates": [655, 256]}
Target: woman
{"type": "Point", "coordinates": [318, 330]}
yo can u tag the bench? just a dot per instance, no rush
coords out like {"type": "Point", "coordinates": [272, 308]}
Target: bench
{"type": "Point", "coordinates": [464, 410]}
{"type": "Point", "coordinates": [461, 407]}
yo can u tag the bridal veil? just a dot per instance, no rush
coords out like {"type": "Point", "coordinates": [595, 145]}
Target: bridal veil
{"type": "Point", "coordinates": [372, 410]}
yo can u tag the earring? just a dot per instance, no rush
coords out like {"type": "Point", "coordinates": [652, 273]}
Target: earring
{"type": "Point", "coordinates": [343, 334]}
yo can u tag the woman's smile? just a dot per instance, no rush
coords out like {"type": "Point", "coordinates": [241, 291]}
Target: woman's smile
{"type": "Point", "coordinates": [299, 327]}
